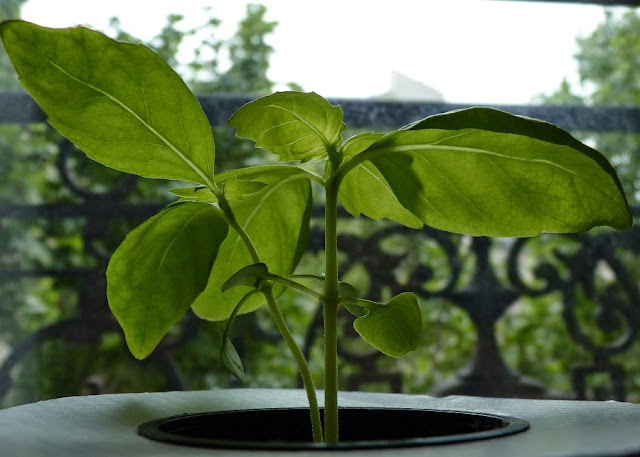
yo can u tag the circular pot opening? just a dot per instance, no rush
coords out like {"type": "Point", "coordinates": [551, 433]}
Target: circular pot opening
{"type": "Point", "coordinates": [290, 428]}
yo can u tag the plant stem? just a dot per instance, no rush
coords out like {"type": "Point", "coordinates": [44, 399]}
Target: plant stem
{"type": "Point", "coordinates": [331, 300]}
{"type": "Point", "coordinates": [267, 290]}
{"type": "Point", "coordinates": [316, 424]}
{"type": "Point", "coordinates": [233, 222]}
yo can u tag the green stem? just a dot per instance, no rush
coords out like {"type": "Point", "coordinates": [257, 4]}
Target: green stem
{"type": "Point", "coordinates": [316, 424]}
{"type": "Point", "coordinates": [331, 301]}
{"type": "Point", "coordinates": [294, 285]}
{"type": "Point", "coordinates": [303, 367]}
{"type": "Point", "coordinates": [233, 222]}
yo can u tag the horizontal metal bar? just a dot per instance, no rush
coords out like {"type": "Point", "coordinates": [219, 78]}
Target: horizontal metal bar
{"type": "Point", "coordinates": [83, 210]}
{"type": "Point", "coordinates": [578, 118]}
{"type": "Point", "coordinates": [12, 275]}
{"type": "Point", "coordinates": [20, 108]}
{"type": "Point", "coordinates": [587, 2]}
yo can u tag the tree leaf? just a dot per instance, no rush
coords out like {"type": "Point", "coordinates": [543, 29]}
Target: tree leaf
{"type": "Point", "coordinates": [276, 219]}
{"type": "Point", "coordinates": [119, 102]}
{"type": "Point", "coordinates": [394, 328]}
{"type": "Point", "coordinates": [364, 190]}
{"type": "Point", "coordinates": [485, 172]}
{"type": "Point", "coordinates": [293, 125]}
{"type": "Point", "coordinates": [159, 270]}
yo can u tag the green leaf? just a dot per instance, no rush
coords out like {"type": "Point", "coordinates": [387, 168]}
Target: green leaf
{"type": "Point", "coordinates": [316, 283]}
{"type": "Point", "coordinates": [293, 125]}
{"type": "Point", "coordinates": [276, 219]}
{"type": "Point", "coordinates": [243, 175]}
{"type": "Point", "coordinates": [195, 194]}
{"type": "Point", "coordinates": [231, 361]}
{"type": "Point", "coordinates": [364, 190]}
{"type": "Point", "coordinates": [237, 189]}
{"type": "Point", "coordinates": [250, 276]}
{"type": "Point", "coordinates": [229, 357]}
{"type": "Point", "coordinates": [120, 103]}
{"type": "Point", "coordinates": [485, 172]}
{"type": "Point", "coordinates": [394, 328]}
{"type": "Point", "coordinates": [159, 270]}
{"type": "Point", "coordinates": [346, 289]}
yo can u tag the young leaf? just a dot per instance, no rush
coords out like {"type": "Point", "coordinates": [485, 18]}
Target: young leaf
{"type": "Point", "coordinates": [293, 125]}
{"type": "Point", "coordinates": [120, 103]}
{"type": "Point", "coordinates": [231, 361]}
{"type": "Point", "coordinates": [250, 276]}
{"type": "Point", "coordinates": [195, 194]}
{"type": "Point", "coordinates": [346, 290]}
{"type": "Point", "coordinates": [485, 172]}
{"type": "Point", "coordinates": [394, 328]}
{"type": "Point", "coordinates": [244, 175]}
{"type": "Point", "coordinates": [237, 189]}
{"type": "Point", "coordinates": [159, 270]}
{"type": "Point", "coordinates": [229, 357]}
{"type": "Point", "coordinates": [276, 219]}
{"type": "Point", "coordinates": [364, 190]}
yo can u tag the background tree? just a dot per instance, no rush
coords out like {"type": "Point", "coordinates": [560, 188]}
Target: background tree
{"type": "Point", "coordinates": [609, 69]}
{"type": "Point", "coordinates": [8, 9]}
{"type": "Point", "coordinates": [29, 174]}
{"type": "Point", "coordinates": [608, 65]}
{"type": "Point", "coordinates": [248, 53]}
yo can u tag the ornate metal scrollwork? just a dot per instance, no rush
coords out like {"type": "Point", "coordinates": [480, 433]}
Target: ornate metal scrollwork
{"type": "Point", "coordinates": [616, 314]}
{"type": "Point", "coordinates": [486, 293]}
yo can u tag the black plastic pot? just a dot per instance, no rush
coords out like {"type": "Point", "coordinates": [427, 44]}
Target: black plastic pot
{"type": "Point", "coordinates": [360, 428]}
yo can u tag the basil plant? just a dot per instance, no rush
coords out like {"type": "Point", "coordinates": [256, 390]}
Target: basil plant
{"type": "Point", "coordinates": [230, 243]}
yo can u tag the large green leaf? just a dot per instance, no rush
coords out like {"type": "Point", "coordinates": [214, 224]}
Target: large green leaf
{"type": "Point", "coordinates": [485, 172]}
{"type": "Point", "coordinates": [159, 270]}
{"type": "Point", "coordinates": [293, 125]}
{"type": "Point", "coordinates": [394, 328]}
{"type": "Point", "coordinates": [276, 219]}
{"type": "Point", "coordinates": [120, 103]}
{"type": "Point", "coordinates": [364, 190]}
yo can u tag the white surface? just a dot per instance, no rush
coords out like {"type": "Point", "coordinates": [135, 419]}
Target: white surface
{"type": "Point", "coordinates": [105, 426]}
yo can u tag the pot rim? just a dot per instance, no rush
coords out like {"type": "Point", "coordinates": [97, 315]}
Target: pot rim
{"type": "Point", "coordinates": [508, 426]}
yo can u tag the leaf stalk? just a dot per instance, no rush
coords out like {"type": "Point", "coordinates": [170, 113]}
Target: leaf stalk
{"type": "Point", "coordinates": [316, 424]}
{"type": "Point", "coordinates": [267, 290]}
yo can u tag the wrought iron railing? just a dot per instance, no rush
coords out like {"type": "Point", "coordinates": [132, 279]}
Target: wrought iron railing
{"type": "Point", "coordinates": [485, 293]}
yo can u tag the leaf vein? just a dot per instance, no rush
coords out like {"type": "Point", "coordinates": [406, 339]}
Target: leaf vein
{"type": "Point", "coordinates": [145, 124]}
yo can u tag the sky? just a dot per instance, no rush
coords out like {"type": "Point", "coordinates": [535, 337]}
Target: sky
{"type": "Point", "coordinates": [471, 51]}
